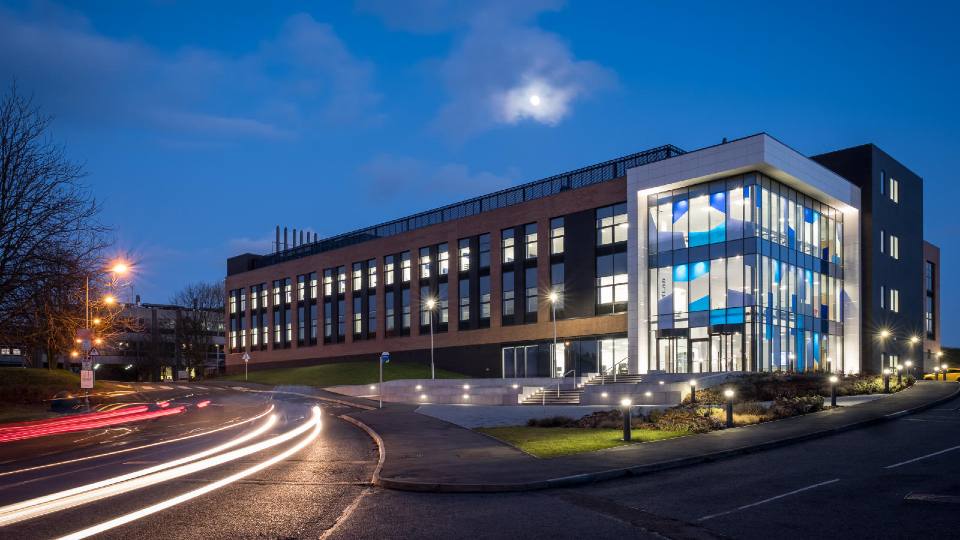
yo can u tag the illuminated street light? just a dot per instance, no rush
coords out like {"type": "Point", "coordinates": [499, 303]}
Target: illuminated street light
{"type": "Point", "coordinates": [626, 403]}
{"type": "Point", "coordinates": [728, 393]}
{"type": "Point", "coordinates": [884, 334]}
{"type": "Point", "coordinates": [96, 320]}
{"type": "Point", "coordinates": [693, 390]}
{"type": "Point", "coordinates": [833, 390]}
{"type": "Point", "coordinates": [109, 300]}
{"type": "Point", "coordinates": [554, 297]}
{"type": "Point", "coordinates": [914, 340]}
{"type": "Point", "coordinates": [120, 268]}
{"type": "Point", "coordinates": [886, 380]}
{"type": "Point", "coordinates": [431, 303]}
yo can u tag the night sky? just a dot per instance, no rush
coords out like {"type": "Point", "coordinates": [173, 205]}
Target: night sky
{"type": "Point", "coordinates": [203, 125]}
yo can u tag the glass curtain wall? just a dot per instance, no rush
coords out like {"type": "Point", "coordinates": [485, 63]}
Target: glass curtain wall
{"type": "Point", "coordinates": [744, 275]}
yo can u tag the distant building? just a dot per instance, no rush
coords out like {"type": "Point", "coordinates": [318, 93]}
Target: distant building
{"type": "Point", "coordinates": [11, 356]}
{"type": "Point", "coordinates": [149, 348]}
{"type": "Point", "coordinates": [931, 306]}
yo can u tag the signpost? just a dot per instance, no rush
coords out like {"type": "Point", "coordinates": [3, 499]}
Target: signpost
{"type": "Point", "coordinates": [246, 360]}
{"type": "Point", "coordinates": [384, 359]}
{"type": "Point", "coordinates": [86, 378]}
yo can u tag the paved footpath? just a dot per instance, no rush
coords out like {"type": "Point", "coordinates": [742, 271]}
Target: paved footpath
{"type": "Point", "coordinates": [421, 453]}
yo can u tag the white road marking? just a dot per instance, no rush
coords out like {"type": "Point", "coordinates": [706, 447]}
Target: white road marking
{"type": "Point", "coordinates": [771, 499]}
{"type": "Point", "coordinates": [909, 461]}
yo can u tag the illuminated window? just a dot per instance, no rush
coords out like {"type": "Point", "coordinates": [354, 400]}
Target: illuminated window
{"type": "Point", "coordinates": [443, 259]}
{"type": "Point", "coordinates": [341, 279]}
{"type": "Point", "coordinates": [388, 270]}
{"type": "Point", "coordinates": [556, 236]}
{"type": "Point", "coordinates": [463, 247]}
{"type": "Point", "coordinates": [530, 240]}
{"type": "Point", "coordinates": [894, 190]}
{"type": "Point", "coordinates": [424, 263]}
{"type": "Point", "coordinates": [894, 247]}
{"type": "Point", "coordinates": [405, 266]}
{"type": "Point", "coordinates": [508, 294]}
{"type": "Point", "coordinates": [507, 240]}
{"type": "Point", "coordinates": [612, 223]}
{"type": "Point", "coordinates": [301, 288]}
{"type": "Point", "coordinates": [372, 274]}
{"type": "Point", "coordinates": [313, 285]}
{"type": "Point", "coordinates": [357, 275]}
{"type": "Point", "coordinates": [328, 282]}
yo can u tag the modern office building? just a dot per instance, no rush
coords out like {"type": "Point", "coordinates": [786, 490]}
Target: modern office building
{"type": "Point", "coordinates": [742, 256]}
{"type": "Point", "coordinates": [932, 354]}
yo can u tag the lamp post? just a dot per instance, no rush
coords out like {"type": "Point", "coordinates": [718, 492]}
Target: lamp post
{"type": "Point", "coordinates": [833, 390]}
{"type": "Point", "coordinates": [728, 393]}
{"type": "Point", "coordinates": [625, 403]}
{"type": "Point", "coordinates": [693, 391]}
{"type": "Point", "coordinates": [943, 368]}
{"type": "Point", "coordinates": [909, 365]}
{"type": "Point", "coordinates": [899, 374]}
{"type": "Point", "coordinates": [936, 373]}
{"type": "Point", "coordinates": [431, 303]}
{"type": "Point", "coordinates": [886, 380]}
{"type": "Point", "coordinates": [554, 297]}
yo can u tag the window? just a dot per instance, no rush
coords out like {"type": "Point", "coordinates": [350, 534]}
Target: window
{"type": "Point", "coordinates": [327, 320]}
{"type": "Point", "coordinates": [484, 256]}
{"type": "Point", "coordinates": [287, 291]}
{"type": "Point", "coordinates": [289, 334]}
{"type": "Point", "coordinates": [928, 316]}
{"type": "Point", "coordinates": [928, 271]}
{"type": "Point", "coordinates": [612, 224]}
{"type": "Point", "coordinates": [405, 306]}
{"type": "Point", "coordinates": [424, 263]}
{"type": "Point", "coordinates": [276, 293]}
{"type": "Point", "coordinates": [894, 191]}
{"type": "Point", "coordinates": [357, 284]}
{"type": "Point", "coordinates": [557, 282]}
{"type": "Point", "coordinates": [357, 316]}
{"type": "Point", "coordinates": [443, 300]}
{"type": "Point", "coordinates": [254, 298]}
{"type": "Point", "coordinates": [341, 314]}
{"type": "Point", "coordinates": [277, 329]}
{"type": "Point", "coordinates": [556, 236]}
{"type": "Point", "coordinates": [530, 282]}
{"type": "Point", "coordinates": [443, 260]}
{"type": "Point", "coordinates": [301, 325]}
{"type": "Point", "coordinates": [372, 274]}
{"type": "Point", "coordinates": [425, 310]}
{"type": "Point", "coordinates": [463, 250]}
{"type": "Point", "coordinates": [894, 247]}
{"type": "Point", "coordinates": [233, 302]}
{"type": "Point", "coordinates": [388, 270]}
{"type": "Point", "coordinates": [464, 297]}
{"type": "Point", "coordinates": [263, 295]}
{"type": "Point", "coordinates": [883, 241]}
{"type": "Point", "coordinates": [506, 237]}
{"type": "Point", "coordinates": [405, 266]}
{"type": "Point", "coordinates": [341, 279]}
{"type": "Point", "coordinates": [612, 279]}
{"type": "Point", "coordinates": [895, 300]}
{"type": "Point", "coordinates": [530, 240]}
{"type": "Point", "coordinates": [328, 282]}
{"type": "Point", "coordinates": [313, 323]}
{"type": "Point", "coordinates": [243, 301]}
{"type": "Point", "coordinates": [301, 288]}
{"type": "Point", "coordinates": [883, 297]}
{"type": "Point", "coordinates": [313, 285]}
{"type": "Point", "coordinates": [883, 181]}
{"type": "Point", "coordinates": [485, 297]}
{"type": "Point", "coordinates": [508, 293]}
{"type": "Point", "coordinates": [371, 315]}
{"type": "Point", "coordinates": [389, 314]}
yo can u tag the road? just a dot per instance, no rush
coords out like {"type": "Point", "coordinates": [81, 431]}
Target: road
{"type": "Point", "coordinates": [875, 482]}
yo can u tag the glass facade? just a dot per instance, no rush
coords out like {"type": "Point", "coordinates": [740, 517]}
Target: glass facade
{"type": "Point", "coordinates": [745, 274]}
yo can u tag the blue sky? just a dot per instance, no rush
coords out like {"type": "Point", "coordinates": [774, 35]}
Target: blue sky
{"type": "Point", "coordinates": [203, 125]}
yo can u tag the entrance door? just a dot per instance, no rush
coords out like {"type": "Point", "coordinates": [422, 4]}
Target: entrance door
{"type": "Point", "coordinates": [672, 354]}
{"type": "Point", "coordinates": [699, 355]}
{"type": "Point", "coordinates": [726, 351]}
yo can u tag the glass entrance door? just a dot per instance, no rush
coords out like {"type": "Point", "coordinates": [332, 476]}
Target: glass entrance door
{"type": "Point", "coordinates": [699, 355]}
{"type": "Point", "coordinates": [672, 355]}
{"type": "Point", "coordinates": [726, 351]}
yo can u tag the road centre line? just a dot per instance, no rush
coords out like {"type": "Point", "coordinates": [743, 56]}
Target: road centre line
{"type": "Point", "coordinates": [771, 499]}
{"type": "Point", "coordinates": [909, 461]}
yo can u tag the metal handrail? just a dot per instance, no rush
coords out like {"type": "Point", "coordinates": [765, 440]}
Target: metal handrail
{"type": "Point", "coordinates": [614, 368]}
{"type": "Point", "coordinates": [561, 380]}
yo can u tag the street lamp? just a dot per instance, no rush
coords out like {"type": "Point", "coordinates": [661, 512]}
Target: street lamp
{"type": "Point", "coordinates": [833, 390]}
{"type": "Point", "coordinates": [554, 297]}
{"type": "Point", "coordinates": [431, 303]}
{"type": "Point", "coordinates": [728, 393]}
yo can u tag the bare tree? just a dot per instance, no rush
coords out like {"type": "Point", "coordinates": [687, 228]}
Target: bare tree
{"type": "Point", "coordinates": [49, 236]}
{"type": "Point", "coordinates": [199, 322]}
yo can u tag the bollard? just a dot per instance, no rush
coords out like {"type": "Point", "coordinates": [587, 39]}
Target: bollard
{"type": "Point", "coordinates": [886, 381]}
{"type": "Point", "coordinates": [693, 391]}
{"type": "Point", "coordinates": [626, 418]}
{"type": "Point", "coordinates": [833, 390]}
{"type": "Point", "coordinates": [728, 393]}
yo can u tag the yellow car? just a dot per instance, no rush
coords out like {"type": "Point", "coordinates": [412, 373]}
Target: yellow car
{"type": "Point", "coordinates": [953, 374]}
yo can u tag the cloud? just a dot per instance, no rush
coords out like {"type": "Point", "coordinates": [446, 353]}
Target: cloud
{"type": "Point", "coordinates": [389, 176]}
{"type": "Point", "coordinates": [503, 69]}
{"type": "Point", "coordinates": [302, 76]}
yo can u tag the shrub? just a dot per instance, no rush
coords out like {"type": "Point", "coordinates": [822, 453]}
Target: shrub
{"type": "Point", "coordinates": [787, 407]}
{"type": "Point", "coordinates": [750, 408]}
{"type": "Point", "coordinates": [685, 419]}
{"type": "Point", "coordinates": [553, 421]}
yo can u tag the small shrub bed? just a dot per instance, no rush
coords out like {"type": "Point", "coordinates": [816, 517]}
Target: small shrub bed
{"type": "Point", "coordinates": [782, 385]}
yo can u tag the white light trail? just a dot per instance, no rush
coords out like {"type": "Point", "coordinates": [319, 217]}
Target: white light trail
{"type": "Point", "coordinates": [155, 478]}
{"type": "Point", "coordinates": [141, 447]}
{"type": "Point", "coordinates": [143, 512]}
{"type": "Point", "coordinates": [72, 497]}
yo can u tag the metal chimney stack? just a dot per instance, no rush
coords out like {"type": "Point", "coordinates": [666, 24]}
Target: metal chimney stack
{"type": "Point", "coordinates": [276, 244]}
{"type": "Point", "coordinates": [285, 245]}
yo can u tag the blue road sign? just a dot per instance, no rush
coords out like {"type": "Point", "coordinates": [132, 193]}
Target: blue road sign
{"type": "Point", "coordinates": [385, 357]}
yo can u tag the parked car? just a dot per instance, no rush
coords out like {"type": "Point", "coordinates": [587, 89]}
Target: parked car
{"type": "Point", "coordinates": [953, 374]}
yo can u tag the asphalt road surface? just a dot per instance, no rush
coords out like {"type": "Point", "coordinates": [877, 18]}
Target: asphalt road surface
{"type": "Point", "coordinates": [900, 479]}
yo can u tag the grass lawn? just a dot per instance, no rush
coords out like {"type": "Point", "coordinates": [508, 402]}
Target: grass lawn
{"type": "Point", "coordinates": [343, 373]}
{"type": "Point", "coordinates": [15, 412]}
{"type": "Point", "coordinates": [553, 442]}
{"type": "Point", "coordinates": [32, 386]}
